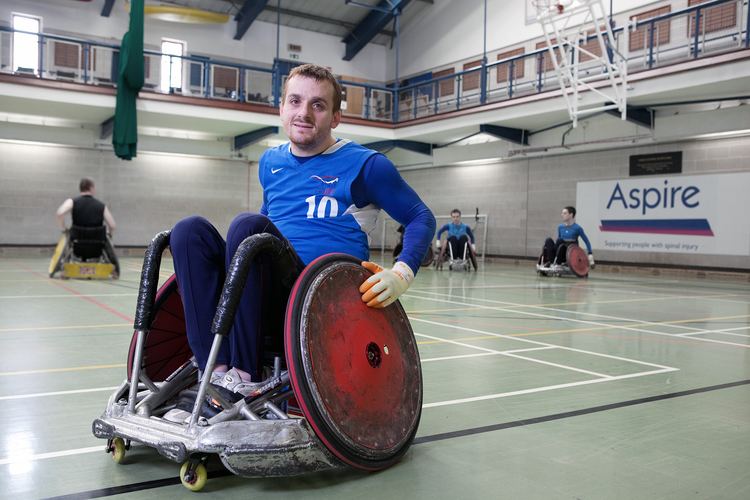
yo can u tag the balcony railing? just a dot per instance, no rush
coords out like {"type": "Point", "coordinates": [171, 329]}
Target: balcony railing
{"type": "Point", "coordinates": [697, 31]}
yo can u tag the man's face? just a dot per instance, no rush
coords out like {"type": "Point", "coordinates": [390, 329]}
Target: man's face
{"type": "Point", "coordinates": [566, 216]}
{"type": "Point", "coordinates": [307, 115]}
{"type": "Point", "coordinates": [456, 218]}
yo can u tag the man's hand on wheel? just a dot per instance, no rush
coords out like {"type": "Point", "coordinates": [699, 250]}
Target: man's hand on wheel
{"type": "Point", "coordinates": [385, 286]}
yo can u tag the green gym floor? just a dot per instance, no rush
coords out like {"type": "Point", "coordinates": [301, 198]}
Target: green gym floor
{"type": "Point", "coordinates": [617, 386]}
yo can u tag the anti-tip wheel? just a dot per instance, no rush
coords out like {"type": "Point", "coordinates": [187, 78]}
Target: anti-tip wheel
{"type": "Point", "coordinates": [117, 449]}
{"type": "Point", "coordinates": [193, 478]}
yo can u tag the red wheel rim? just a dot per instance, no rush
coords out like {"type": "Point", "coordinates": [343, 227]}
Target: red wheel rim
{"type": "Point", "coordinates": [577, 260]}
{"type": "Point", "coordinates": [166, 347]}
{"type": "Point", "coordinates": [355, 370]}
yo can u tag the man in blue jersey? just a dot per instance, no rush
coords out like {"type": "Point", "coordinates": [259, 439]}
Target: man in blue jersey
{"type": "Point", "coordinates": [321, 194]}
{"type": "Point", "coordinates": [459, 236]}
{"type": "Point", "coordinates": [568, 232]}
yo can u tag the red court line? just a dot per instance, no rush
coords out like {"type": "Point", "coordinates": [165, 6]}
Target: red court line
{"type": "Point", "coordinates": [80, 295]}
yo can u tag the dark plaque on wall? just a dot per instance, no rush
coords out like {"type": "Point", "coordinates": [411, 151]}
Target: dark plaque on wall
{"type": "Point", "coordinates": [656, 163]}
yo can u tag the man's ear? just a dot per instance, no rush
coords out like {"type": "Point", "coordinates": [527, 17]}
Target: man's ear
{"type": "Point", "coordinates": [336, 119]}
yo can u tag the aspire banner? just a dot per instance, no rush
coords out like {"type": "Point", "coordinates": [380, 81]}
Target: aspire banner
{"type": "Point", "coordinates": [701, 214]}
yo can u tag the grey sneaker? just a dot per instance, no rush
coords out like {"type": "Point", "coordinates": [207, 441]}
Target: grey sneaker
{"type": "Point", "coordinates": [233, 382]}
{"type": "Point", "coordinates": [177, 416]}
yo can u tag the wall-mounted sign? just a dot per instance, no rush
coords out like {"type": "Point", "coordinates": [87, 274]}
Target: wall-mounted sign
{"type": "Point", "coordinates": [656, 163]}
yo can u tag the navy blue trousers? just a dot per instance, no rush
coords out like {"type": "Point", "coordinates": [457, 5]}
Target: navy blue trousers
{"type": "Point", "coordinates": [201, 258]}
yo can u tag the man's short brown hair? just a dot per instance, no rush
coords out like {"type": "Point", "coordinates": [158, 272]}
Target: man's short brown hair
{"type": "Point", "coordinates": [319, 74]}
{"type": "Point", "coordinates": [85, 185]}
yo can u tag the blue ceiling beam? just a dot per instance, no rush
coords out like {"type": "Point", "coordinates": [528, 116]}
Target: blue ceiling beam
{"type": "Point", "coordinates": [517, 135]}
{"type": "Point", "coordinates": [638, 115]}
{"type": "Point", "coordinates": [107, 7]}
{"type": "Point", "coordinates": [247, 14]}
{"type": "Point", "coordinates": [415, 146]}
{"type": "Point", "coordinates": [248, 138]}
{"type": "Point", "coordinates": [106, 127]}
{"type": "Point", "coordinates": [371, 25]}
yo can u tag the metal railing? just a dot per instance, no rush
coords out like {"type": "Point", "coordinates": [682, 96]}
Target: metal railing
{"type": "Point", "coordinates": [696, 31]}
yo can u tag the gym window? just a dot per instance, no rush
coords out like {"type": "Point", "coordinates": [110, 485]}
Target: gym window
{"type": "Point", "coordinates": [26, 45]}
{"type": "Point", "coordinates": [171, 67]}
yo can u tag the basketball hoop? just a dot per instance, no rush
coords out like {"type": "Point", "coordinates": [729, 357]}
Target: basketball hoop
{"type": "Point", "coordinates": [544, 7]}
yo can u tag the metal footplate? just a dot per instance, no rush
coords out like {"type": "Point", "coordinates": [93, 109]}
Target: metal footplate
{"type": "Point", "coordinates": [247, 448]}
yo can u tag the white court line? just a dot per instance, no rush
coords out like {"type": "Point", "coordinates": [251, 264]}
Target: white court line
{"type": "Point", "coordinates": [568, 311]}
{"type": "Point", "coordinates": [605, 316]}
{"type": "Point", "coordinates": [460, 356]}
{"type": "Point", "coordinates": [69, 296]}
{"type": "Point", "coordinates": [512, 355]}
{"type": "Point", "coordinates": [587, 322]}
{"type": "Point", "coordinates": [57, 393]}
{"type": "Point", "coordinates": [54, 454]}
{"type": "Point", "coordinates": [542, 389]}
{"type": "Point", "coordinates": [724, 331]}
{"type": "Point", "coordinates": [536, 342]}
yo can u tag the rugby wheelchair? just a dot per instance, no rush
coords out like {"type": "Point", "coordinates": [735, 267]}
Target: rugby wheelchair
{"type": "Point", "coordinates": [458, 259]}
{"type": "Point", "coordinates": [576, 262]}
{"type": "Point", "coordinates": [429, 255]}
{"type": "Point", "coordinates": [345, 388]}
{"type": "Point", "coordinates": [85, 252]}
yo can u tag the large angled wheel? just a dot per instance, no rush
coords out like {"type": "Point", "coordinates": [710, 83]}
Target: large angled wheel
{"type": "Point", "coordinates": [355, 370]}
{"type": "Point", "coordinates": [166, 347]}
{"type": "Point", "coordinates": [577, 260]}
{"type": "Point", "coordinates": [55, 264]}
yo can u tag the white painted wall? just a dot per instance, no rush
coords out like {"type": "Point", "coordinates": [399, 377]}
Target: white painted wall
{"type": "Point", "coordinates": [524, 197]}
{"type": "Point", "coordinates": [146, 195]}
{"type": "Point", "coordinates": [452, 31]}
{"type": "Point", "coordinates": [216, 41]}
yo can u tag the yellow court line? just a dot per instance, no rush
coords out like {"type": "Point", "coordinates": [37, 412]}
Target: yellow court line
{"type": "Point", "coordinates": [715, 318]}
{"type": "Point", "coordinates": [58, 370]}
{"type": "Point", "coordinates": [558, 304]}
{"type": "Point", "coordinates": [70, 327]}
{"type": "Point", "coordinates": [622, 301]}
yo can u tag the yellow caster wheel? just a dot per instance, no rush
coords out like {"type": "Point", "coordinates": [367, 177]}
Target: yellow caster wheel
{"type": "Point", "coordinates": [117, 449]}
{"type": "Point", "coordinates": [193, 478]}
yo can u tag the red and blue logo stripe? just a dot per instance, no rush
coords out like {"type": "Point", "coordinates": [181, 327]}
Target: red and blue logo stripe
{"type": "Point", "coordinates": [692, 227]}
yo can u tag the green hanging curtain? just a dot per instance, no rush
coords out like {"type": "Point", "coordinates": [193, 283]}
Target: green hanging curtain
{"type": "Point", "coordinates": [129, 83]}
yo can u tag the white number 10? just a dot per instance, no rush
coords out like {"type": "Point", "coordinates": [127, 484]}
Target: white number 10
{"type": "Point", "coordinates": [324, 202]}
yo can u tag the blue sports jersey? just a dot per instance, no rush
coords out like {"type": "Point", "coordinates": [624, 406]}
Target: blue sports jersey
{"type": "Point", "coordinates": [311, 202]}
{"type": "Point", "coordinates": [456, 230]}
{"type": "Point", "coordinates": [572, 233]}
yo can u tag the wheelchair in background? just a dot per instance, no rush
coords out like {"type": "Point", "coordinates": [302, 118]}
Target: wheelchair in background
{"type": "Point", "coordinates": [460, 257]}
{"type": "Point", "coordinates": [572, 261]}
{"type": "Point", "coordinates": [85, 253]}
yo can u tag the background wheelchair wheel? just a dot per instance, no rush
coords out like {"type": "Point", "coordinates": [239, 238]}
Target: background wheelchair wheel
{"type": "Point", "coordinates": [428, 257]}
{"type": "Point", "coordinates": [56, 262]}
{"type": "Point", "coordinates": [166, 347]}
{"type": "Point", "coordinates": [355, 370]}
{"type": "Point", "coordinates": [577, 261]}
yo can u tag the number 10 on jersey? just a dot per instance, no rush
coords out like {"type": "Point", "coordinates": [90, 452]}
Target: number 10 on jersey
{"type": "Point", "coordinates": [323, 203]}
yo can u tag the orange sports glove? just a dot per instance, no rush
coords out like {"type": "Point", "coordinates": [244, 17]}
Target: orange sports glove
{"type": "Point", "coordinates": [385, 286]}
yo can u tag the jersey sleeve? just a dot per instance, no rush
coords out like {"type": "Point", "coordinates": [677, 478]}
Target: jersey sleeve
{"type": "Point", "coordinates": [441, 231]}
{"type": "Point", "coordinates": [470, 233]}
{"type": "Point", "coordinates": [380, 183]}
{"type": "Point", "coordinates": [585, 239]}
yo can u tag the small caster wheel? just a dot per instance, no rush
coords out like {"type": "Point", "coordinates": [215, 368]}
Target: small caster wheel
{"type": "Point", "coordinates": [117, 448]}
{"type": "Point", "coordinates": [193, 476]}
